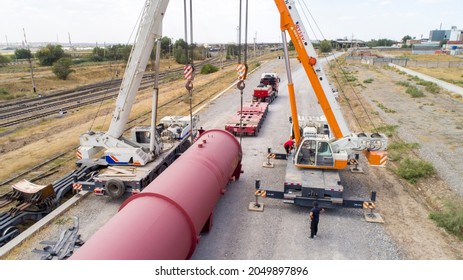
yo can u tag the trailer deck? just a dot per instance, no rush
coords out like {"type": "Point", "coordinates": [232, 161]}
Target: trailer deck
{"type": "Point", "coordinates": [249, 120]}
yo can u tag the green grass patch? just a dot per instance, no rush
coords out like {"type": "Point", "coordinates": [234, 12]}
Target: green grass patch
{"type": "Point", "coordinates": [389, 130]}
{"type": "Point", "coordinates": [452, 81]}
{"type": "Point", "coordinates": [5, 95]}
{"type": "Point", "coordinates": [429, 86]}
{"type": "Point", "coordinates": [450, 218]}
{"type": "Point", "coordinates": [403, 83]}
{"type": "Point", "coordinates": [368, 81]}
{"type": "Point", "coordinates": [401, 72]}
{"type": "Point", "coordinates": [398, 149]}
{"type": "Point", "coordinates": [413, 170]}
{"type": "Point", "coordinates": [414, 92]}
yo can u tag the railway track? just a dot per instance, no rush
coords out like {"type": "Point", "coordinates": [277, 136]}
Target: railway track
{"type": "Point", "coordinates": [15, 113]}
{"type": "Point", "coordinates": [12, 219]}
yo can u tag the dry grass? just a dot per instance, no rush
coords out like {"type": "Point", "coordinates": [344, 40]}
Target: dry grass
{"type": "Point", "coordinates": [455, 74]}
{"type": "Point", "coordinates": [16, 80]}
{"type": "Point", "coordinates": [63, 133]}
{"type": "Point", "coordinates": [419, 57]}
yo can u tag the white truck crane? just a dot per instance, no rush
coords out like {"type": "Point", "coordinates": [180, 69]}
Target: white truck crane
{"type": "Point", "coordinates": [326, 144]}
{"type": "Point", "coordinates": [134, 163]}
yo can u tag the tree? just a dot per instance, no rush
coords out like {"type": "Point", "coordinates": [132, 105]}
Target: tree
{"type": "Point", "coordinates": [22, 54]}
{"type": "Point", "coordinates": [180, 56]}
{"type": "Point", "coordinates": [166, 44]}
{"type": "Point", "coordinates": [325, 46]}
{"type": "Point", "coordinates": [118, 52]}
{"type": "Point", "coordinates": [291, 46]}
{"type": "Point", "coordinates": [405, 38]}
{"type": "Point", "coordinates": [49, 54]}
{"type": "Point", "coordinates": [62, 68]}
{"type": "Point", "coordinates": [98, 54]}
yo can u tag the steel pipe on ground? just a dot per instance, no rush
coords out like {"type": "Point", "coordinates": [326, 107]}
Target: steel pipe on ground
{"type": "Point", "coordinates": [164, 221]}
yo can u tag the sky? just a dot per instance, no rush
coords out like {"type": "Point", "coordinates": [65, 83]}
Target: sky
{"type": "Point", "coordinates": [216, 21]}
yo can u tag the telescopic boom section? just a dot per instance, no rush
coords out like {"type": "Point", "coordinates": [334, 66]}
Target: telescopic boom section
{"type": "Point", "coordinates": [291, 22]}
{"type": "Point", "coordinates": [150, 30]}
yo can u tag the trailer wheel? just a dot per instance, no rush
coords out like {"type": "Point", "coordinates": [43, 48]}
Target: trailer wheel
{"type": "Point", "coordinates": [115, 188]}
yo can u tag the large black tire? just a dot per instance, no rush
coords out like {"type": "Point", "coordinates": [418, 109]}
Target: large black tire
{"type": "Point", "coordinates": [115, 188]}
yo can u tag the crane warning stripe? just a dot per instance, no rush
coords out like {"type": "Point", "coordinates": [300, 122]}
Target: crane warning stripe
{"type": "Point", "coordinates": [79, 154]}
{"type": "Point", "coordinates": [261, 193]}
{"type": "Point", "coordinates": [369, 205]}
{"type": "Point", "coordinates": [241, 69]}
{"type": "Point", "coordinates": [77, 187]}
{"type": "Point", "coordinates": [188, 71]}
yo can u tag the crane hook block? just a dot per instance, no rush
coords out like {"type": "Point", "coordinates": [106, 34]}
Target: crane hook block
{"type": "Point", "coordinates": [189, 85]}
{"type": "Point", "coordinates": [241, 85]}
{"type": "Point", "coordinates": [242, 70]}
{"type": "Point", "coordinates": [312, 61]}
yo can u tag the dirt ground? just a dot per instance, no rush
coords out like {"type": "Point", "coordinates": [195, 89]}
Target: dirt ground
{"type": "Point", "coordinates": [406, 206]}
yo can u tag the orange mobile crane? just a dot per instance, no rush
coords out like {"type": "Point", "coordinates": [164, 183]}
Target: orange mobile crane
{"type": "Point", "coordinates": [324, 145]}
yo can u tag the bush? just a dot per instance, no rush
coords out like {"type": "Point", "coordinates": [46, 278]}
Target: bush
{"type": "Point", "coordinates": [368, 81]}
{"type": "Point", "coordinates": [62, 68]}
{"type": "Point", "coordinates": [4, 59]}
{"type": "Point", "coordinates": [23, 54]}
{"type": "Point", "coordinates": [208, 68]}
{"type": "Point", "coordinates": [451, 218]}
{"type": "Point", "coordinates": [412, 170]}
{"type": "Point", "coordinates": [414, 92]}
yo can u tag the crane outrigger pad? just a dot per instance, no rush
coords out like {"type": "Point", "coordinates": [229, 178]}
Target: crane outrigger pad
{"type": "Point", "coordinates": [373, 218]}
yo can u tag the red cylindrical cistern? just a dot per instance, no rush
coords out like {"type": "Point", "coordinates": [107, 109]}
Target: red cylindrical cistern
{"type": "Point", "coordinates": [166, 218]}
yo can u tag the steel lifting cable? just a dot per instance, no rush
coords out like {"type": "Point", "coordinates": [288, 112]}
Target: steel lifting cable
{"type": "Point", "coordinates": [242, 68]}
{"type": "Point", "coordinates": [189, 70]}
{"type": "Point", "coordinates": [115, 73]}
{"type": "Point", "coordinates": [343, 73]}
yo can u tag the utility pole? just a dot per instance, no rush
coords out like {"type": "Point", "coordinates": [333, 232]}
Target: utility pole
{"type": "Point", "coordinates": [6, 38]}
{"type": "Point", "coordinates": [30, 62]}
{"type": "Point", "coordinates": [255, 39]}
{"type": "Point", "coordinates": [70, 43]}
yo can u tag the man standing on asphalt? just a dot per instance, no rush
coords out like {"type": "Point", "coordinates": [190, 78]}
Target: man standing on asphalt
{"type": "Point", "coordinates": [289, 145]}
{"type": "Point", "coordinates": [314, 218]}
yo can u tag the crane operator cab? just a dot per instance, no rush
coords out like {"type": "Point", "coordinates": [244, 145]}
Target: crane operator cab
{"type": "Point", "coordinates": [313, 152]}
{"type": "Point", "coordinates": [316, 148]}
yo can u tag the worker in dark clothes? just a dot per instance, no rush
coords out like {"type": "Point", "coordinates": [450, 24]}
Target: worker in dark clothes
{"type": "Point", "coordinates": [201, 131]}
{"type": "Point", "coordinates": [289, 145]}
{"type": "Point", "coordinates": [314, 218]}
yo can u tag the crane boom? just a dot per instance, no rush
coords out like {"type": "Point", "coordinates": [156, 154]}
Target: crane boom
{"type": "Point", "coordinates": [118, 149]}
{"type": "Point", "coordinates": [326, 143]}
{"type": "Point", "coordinates": [149, 31]}
{"type": "Point", "coordinates": [291, 22]}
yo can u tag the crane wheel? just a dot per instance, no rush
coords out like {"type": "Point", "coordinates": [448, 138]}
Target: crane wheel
{"type": "Point", "coordinates": [115, 188]}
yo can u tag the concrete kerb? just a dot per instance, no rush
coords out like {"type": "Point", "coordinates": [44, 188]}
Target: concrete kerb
{"type": "Point", "coordinates": [448, 86]}
{"type": "Point", "coordinates": [41, 223]}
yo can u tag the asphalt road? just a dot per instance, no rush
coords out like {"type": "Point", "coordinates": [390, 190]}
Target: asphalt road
{"type": "Point", "coordinates": [282, 231]}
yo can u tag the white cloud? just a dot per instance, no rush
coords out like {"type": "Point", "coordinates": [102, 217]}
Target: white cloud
{"type": "Point", "coordinates": [384, 3]}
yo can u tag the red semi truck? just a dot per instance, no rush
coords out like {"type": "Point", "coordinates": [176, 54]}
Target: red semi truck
{"type": "Point", "coordinates": [267, 90]}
